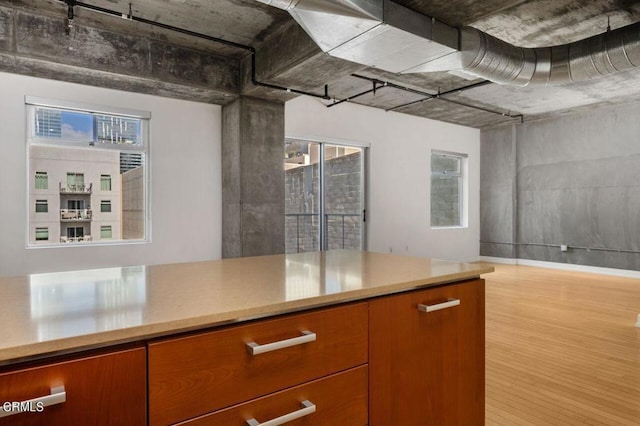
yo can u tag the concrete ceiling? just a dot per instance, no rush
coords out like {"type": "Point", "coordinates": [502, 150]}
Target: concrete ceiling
{"type": "Point", "coordinates": [113, 52]}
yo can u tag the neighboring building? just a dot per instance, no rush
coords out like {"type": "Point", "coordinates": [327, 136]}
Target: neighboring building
{"type": "Point", "coordinates": [75, 195]}
{"type": "Point", "coordinates": [133, 205]}
{"type": "Point", "coordinates": [130, 161]}
{"type": "Point", "coordinates": [48, 123]}
{"type": "Point", "coordinates": [114, 129]}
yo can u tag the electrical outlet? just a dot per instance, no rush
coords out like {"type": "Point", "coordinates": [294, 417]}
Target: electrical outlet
{"type": "Point", "coordinates": [564, 247]}
{"type": "Point", "coordinates": [638, 322]}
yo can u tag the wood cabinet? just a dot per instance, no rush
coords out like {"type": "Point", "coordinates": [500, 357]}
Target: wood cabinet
{"type": "Point", "coordinates": [199, 374]}
{"type": "Point", "coordinates": [340, 399]}
{"type": "Point", "coordinates": [427, 368]}
{"type": "Point", "coordinates": [105, 389]}
{"type": "Point", "coordinates": [411, 358]}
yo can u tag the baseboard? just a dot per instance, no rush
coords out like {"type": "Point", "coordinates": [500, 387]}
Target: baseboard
{"type": "Point", "coordinates": [563, 266]}
{"type": "Point", "coordinates": [503, 260]}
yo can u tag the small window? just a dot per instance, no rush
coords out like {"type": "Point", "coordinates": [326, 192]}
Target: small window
{"type": "Point", "coordinates": [105, 182]}
{"type": "Point", "coordinates": [42, 206]}
{"type": "Point", "coordinates": [105, 232]}
{"type": "Point", "coordinates": [42, 180]}
{"type": "Point", "coordinates": [447, 189]}
{"type": "Point", "coordinates": [42, 234]}
{"type": "Point", "coordinates": [105, 206]}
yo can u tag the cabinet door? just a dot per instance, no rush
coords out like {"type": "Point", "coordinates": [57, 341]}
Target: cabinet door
{"type": "Point", "coordinates": [340, 399]}
{"type": "Point", "coordinates": [427, 368]}
{"type": "Point", "coordinates": [107, 389]}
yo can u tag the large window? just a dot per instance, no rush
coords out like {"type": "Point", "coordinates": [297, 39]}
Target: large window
{"type": "Point", "coordinates": [324, 196]}
{"type": "Point", "coordinates": [447, 189]}
{"type": "Point", "coordinates": [77, 151]}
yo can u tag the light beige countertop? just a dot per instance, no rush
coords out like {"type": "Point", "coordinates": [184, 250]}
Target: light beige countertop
{"type": "Point", "coordinates": [52, 313]}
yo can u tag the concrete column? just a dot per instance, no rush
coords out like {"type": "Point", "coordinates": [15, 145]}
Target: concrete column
{"type": "Point", "coordinates": [252, 178]}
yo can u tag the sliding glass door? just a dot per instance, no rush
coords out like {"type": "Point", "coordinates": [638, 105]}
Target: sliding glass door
{"type": "Point", "coordinates": [324, 196]}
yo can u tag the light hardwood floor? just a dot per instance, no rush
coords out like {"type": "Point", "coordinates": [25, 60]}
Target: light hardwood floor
{"type": "Point", "coordinates": [562, 348]}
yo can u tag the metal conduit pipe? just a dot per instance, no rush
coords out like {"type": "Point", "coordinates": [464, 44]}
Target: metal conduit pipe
{"type": "Point", "coordinates": [606, 249]}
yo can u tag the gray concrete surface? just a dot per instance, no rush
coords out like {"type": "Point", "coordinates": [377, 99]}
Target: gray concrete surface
{"type": "Point", "coordinates": [252, 178]}
{"type": "Point", "coordinates": [498, 192]}
{"type": "Point", "coordinates": [109, 51]}
{"type": "Point", "coordinates": [577, 184]}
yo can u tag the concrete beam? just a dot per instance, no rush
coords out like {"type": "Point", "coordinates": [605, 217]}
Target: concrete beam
{"type": "Point", "coordinates": [37, 45]}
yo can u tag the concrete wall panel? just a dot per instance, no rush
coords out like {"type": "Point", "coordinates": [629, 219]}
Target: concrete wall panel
{"type": "Point", "coordinates": [497, 195]}
{"type": "Point", "coordinates": [577, 185]}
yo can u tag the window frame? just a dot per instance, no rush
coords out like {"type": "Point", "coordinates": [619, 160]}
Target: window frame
{"type": "Point", "coordinates": [105, 179]}
{"type": "Point", "coordinates": [42, 175]}
{"type": "Point", "coordinates": [41, 229]}
{"type": "Point", "coordinates": [104, 204]}
{"type": "Point", "coordinates": [141, 146]}
{"type": "Point", "coordinates": [41, 203]}
{"type": "Point", "coordinates": [75, 228]}
{"type": "Point", "coordinates": [104, 228]}
{"type": "Point", "coordinates": [462, 177]}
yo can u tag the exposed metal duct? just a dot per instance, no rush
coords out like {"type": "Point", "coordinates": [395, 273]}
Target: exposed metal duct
{"type": "Point", "coordinates": [487, 57]}
{"type": "Point", "coordinates": [385, 35]}
{"type": "Point", "coordinates": [377, 33]}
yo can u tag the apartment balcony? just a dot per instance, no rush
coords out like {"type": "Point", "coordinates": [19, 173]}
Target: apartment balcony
{"type": "Point", "coordinates": [76, 189]}
{"type": "Point", "coordinates": [84, 239]}
{"type": "Point", "coordinates": [75, 215]}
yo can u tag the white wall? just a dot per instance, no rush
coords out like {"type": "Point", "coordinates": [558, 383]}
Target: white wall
{"type": "Point", "coordinates": [399, 173]}
{"type": "Point", "coordinates": [186, 183]}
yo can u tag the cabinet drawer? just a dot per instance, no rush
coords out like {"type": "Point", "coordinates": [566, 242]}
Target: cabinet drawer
{"type": "Point", "coordinates": [340, 399]}
{"type": "Point", "coordinates": [105, 389]}
{"type": "Point", "coordinates": [199, 374]}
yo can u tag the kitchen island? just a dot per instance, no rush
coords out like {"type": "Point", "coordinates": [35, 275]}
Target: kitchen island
{"type": "Point", "coordinates": [244, 340]}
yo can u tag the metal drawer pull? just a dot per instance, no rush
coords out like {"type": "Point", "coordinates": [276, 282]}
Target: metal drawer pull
{"type": "Point", "coordinates": [58, 396]}
{"type": "Point", "coordinates": [444, 305]}
{"type": "Point", "coordinates": [309, 408]}
{"type": "Point", "coordinates": [256, 349]}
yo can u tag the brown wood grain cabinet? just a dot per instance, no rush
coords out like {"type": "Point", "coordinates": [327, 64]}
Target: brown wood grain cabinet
{"type": "Point", "coordinates": [427, 368]}
{"type": "Point", "coordinates": [340, 399]}
{"type": "Point", "coordinates": [199, 374]}
{"type": "Point", "coordinates": [410, 358]}
{"type": "Point", "coordinates": [104, 389]}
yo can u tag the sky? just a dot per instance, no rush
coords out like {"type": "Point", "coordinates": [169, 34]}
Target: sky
{"type": "Point", "coordinates": [77, 126]}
